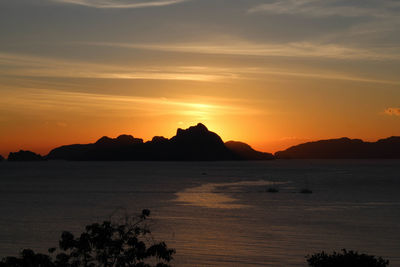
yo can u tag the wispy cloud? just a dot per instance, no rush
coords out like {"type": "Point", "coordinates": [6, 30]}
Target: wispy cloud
{"type": "Point", "coordinates": [106, 105]}
{"type": "Point", "coordinates": [294, 49]}
{"type": "Point", "coordinates": [392, 111]}
{"type": "Point", "coordinates": [326, 75]}
{"type": "Point", "coordinates": [323, 8]}
{"type": "Point", "coordinates": [33, 66]}
{"type": "Point", "coordinates": [121, 3]}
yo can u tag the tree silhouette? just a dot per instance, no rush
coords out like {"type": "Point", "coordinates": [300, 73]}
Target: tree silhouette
{"type": "Point", "coordinates": [107, 244]}
{"type": "Point", "coordinates": [345, 259]}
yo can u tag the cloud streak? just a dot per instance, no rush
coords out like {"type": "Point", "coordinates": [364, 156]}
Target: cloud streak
{"type": "Point", "coordinates": [31, 66]}
{"type": "Point", "coordinates": [55, 101]}
{"type": "Point", "coordinates": [392, 111]}
{"type": "Point", "coordinates": [323, 8]}
{"type": "Point", "coordinates": [121, 4]}
{"type": "Point", "coordinates": [242, 48]}
{"type": "Point", "coordinates": [48, 67]}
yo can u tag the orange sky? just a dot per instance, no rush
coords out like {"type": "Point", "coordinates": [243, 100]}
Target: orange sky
{"type": "Point", "coordinates": [43, 119]}
{"type": "Point", "coordinates": [269, 73]}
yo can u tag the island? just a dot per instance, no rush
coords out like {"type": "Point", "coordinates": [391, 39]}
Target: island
{"type": "Point", "coordinates": [24, 155]}
{"type": "Point", "coordinates": [196, 143]}
{"type": "Point", "coordinates": [344, 148]}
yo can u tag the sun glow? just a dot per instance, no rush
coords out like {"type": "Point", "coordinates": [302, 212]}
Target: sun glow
{"type": "Point", "coordinates": [148, 67]}
{"type": "Point", "coordinates": [77, 117]}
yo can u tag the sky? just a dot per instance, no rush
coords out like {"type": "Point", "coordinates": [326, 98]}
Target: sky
{"type": "Point", "coordinates": [272, 73]}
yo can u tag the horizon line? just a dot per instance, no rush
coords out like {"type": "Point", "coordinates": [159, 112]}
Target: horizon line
{"type": "Point", "coordinates": [149, 140]}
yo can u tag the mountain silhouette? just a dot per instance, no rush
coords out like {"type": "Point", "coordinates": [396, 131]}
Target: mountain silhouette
{"type": "Point", "coordinates": [23, 155]}
{"type": "Point", "coordinates": [1, 158]}
{"type": "Point", "coordinates": [343, 148]}
{"type": "Point", "coordinates": [245, 151]}
{"type": "Point", "coordinates": [196, 143]}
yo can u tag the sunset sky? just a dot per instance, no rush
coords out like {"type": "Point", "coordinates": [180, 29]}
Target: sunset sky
{"type": "Point", "coordinates": [271, 73]}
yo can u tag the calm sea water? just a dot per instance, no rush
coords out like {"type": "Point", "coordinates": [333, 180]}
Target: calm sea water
{"type": "Point", "coordinates": [213, 214]}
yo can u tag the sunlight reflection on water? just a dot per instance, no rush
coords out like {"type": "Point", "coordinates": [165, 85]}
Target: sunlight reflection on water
{"type": "Point", "coordinates": [207, 196]}
{"type": "Point", "coordinates": [213, 214]}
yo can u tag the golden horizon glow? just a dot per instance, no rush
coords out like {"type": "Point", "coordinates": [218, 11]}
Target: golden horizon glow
{"type": "Point", "coordinates": [269, 73]}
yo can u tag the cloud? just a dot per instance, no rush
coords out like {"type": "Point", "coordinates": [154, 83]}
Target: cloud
{"type": "Point", "coordinates": [32, 66]}
{"type": "Point", "coordinates": [18, 65]}
{"type": "Point", "coordinates": [119, 4]}
{"type": "Point", "coordinates": [244, 48]}
{"type": "Point", "coordinates": [51, 102]}
{"type": "Point", "coordinates": [323, 8]}
{"type": "Point", "coordinates": [392, 111]}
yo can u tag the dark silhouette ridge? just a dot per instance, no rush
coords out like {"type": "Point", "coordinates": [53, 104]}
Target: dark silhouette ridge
{"type": "Point", "coordinates": [121, 140]}
{"type": "Point", "coordinates": [344, 148]}
{"type": "Point", "coordinates": [1, 158]}
{"type": "Point", "coordinates": [23, 155]}
{"type": "Point", "coordinates": [196, 143]}
{"type": "Point", "coordinates": [243, 150]}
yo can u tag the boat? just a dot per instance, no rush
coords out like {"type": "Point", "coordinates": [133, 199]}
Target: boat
{"type": "Point", "coordinates": [306, 191]}
{"type": "Point", "coordinates": [272, 190]}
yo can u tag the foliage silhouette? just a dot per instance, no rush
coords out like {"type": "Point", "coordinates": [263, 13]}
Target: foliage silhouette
{"type": "Point", "coordinates": [107, 244]}
{"type": "Point", "coordinates": [345, 259]}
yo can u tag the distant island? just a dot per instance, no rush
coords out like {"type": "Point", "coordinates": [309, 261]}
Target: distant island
{"type": "Point", "coordinates": [197, 143]}
{"type": "Point", "coordinates": [344, 148]}
{"type": "Point", "coordinates": [194, 143]}
{"type": "Point", "coordinates": [23, 155]}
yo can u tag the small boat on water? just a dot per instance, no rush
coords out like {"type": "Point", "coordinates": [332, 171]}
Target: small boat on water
{"type": "Point", "coordinates": [306, 191]}
{"type": "Point", "coordinates": [272, 190]}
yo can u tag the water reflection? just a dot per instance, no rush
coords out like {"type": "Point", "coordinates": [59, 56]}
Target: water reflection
{"type": "Point", "coordinates": [217, 195]}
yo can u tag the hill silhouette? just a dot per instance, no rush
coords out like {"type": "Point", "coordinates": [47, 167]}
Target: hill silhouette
{"type": "Point", "coordinates": [244, 150]}
{"type": "Point", "coordinates": [194, 143]}
{"type": "Point", "coordinates": [23, 155]}
{"type": "Point", "coordinates": [344, 148]}
{"type": "Point", "coordinates": [1, 158]}
{"type": "Point", "coordinates": [197, 143]}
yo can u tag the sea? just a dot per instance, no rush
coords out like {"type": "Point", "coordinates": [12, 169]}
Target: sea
{"type": "Point", "coordinates": [212, 213]}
